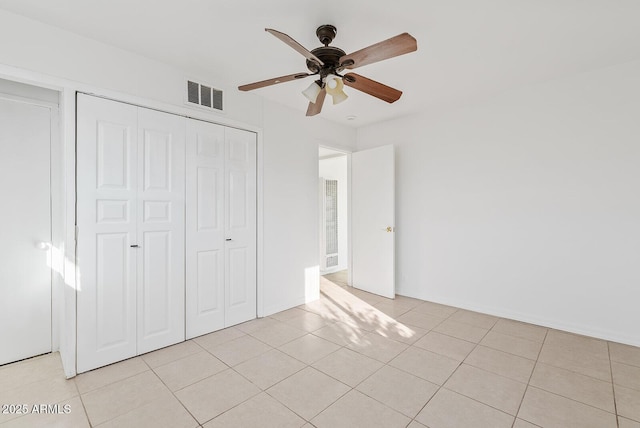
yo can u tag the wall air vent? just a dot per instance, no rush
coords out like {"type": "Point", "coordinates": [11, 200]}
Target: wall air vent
{"type": "Point", "coordinates": [329, 218]}
{"type": "Point", "coordinates": [332, 261]}
{"type": "Point", "coordinates": [204, 96]}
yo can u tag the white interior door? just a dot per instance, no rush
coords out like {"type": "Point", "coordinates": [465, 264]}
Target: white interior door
{"type": "Point", "coordinates": [25, 221]}
{"type": "Point", "coordinates": [205, 231]}
{"type": "Point", "coordinates": [372, 221]}
{"type": "Point", "coordinates": [240, 226]}
{"type": "Point", "coordinates": [160, 229]}
{"type": "Point", "coordinates": [107, 215]}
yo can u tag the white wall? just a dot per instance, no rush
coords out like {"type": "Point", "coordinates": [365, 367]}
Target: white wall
{"type": "Point", "coordinates": [31, 45]}
{"type": "Point", "coordinates": [291, 203]}
{"type": "Point", "coordinates": [37, 53]}
{"type": "Point", "coordinates": [526, 206]}
{"type": "Point", "coordinates": [336, 169]}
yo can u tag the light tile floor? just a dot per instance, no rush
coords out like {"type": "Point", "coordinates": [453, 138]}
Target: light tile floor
{"type": "Point", "coordinates": [351, 359]}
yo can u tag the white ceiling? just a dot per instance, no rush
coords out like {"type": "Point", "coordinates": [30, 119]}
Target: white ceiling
{"type": "Point", "coordinates": [467, 49]}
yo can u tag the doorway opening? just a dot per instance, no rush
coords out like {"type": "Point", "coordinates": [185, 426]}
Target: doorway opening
{"type": "Point", "coordinates": [333, 194]}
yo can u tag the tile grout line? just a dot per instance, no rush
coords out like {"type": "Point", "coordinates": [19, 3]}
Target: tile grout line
{"type": "Point", "coordinates": [177, 359]}
{"type": "Point", "coordinates": [613, 386]}
{"type": "Point", "coordinates": [265, 391]}
{"type": "Point", "coordinates": [257, 386]}
{"type": "Point", "coordinates": [86, 414]}
{"type": "Point", "coordinates": [113, 383]}
{"type": "Point", "coordinates": [530, 376]}
{"type": "Point", "coordinates": [456, 369]}
{"type": "Point", "coordinates": [173, 393]}
{"type": "Point", "coordinates": [487, 371]}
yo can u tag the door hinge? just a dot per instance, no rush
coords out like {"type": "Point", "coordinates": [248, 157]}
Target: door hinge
{"type": "Point", "coordinates": [77, 231]}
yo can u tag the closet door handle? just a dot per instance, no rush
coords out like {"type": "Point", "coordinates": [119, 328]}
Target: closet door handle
{"type": "Point", "coordinates": [228, 239]}
{"type": "Point", "coordinates": [135, 246]}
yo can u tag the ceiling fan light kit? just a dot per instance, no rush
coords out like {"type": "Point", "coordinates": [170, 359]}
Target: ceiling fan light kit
{"type": "Point", "coordinates": [312, 91]}
{"type": "Point", "coordinates": [328, 62]}
{"type": "Point", "coordinates": [334, 87]}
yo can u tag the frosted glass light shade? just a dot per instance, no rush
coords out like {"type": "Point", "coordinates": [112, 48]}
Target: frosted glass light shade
{"type": "Point", "coordinates": [334, 87]}
{"type": "Point", "coordinates": [339, 97]}
{"type": "Point", "coordinates": [311, 93]}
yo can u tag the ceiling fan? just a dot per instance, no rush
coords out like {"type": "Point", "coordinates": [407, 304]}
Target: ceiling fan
{"type": "Point", "coordinates": [327, 62]}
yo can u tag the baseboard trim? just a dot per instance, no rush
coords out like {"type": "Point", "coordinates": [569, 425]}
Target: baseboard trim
{"type": "Point", "coordinates": [273, 309]}
{"type": "Point", "coordinates": [544, 322]}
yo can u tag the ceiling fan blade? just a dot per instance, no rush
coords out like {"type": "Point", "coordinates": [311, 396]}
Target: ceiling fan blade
{"type": "Point", "coordinates": [395, 46]}
{"type": "Point", "coordinates": [275, 80]}
{"type": "Point", "coordinates": [371, 87]}
{"type": "Point", "coordinates": [315, 108]}
{"type": "Point", "coordinates": [295, 45]}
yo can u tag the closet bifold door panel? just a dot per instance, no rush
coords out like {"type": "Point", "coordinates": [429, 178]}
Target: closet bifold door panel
{"type": "Point", "coordinates": [240, 226]}
{"type": "Point", "coordinates": [205, 228]}
{"type": "Point", "coordinates": [221, 227]}
{"type": "Point", "coordinates": [130, 217]}
{"type": "Point", "coordinates": [160, 251]}
{"type": "Point", "coordinates": [107, 182]}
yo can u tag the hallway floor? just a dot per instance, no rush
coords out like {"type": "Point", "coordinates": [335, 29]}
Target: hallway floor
{"type": "Point", "coordinates": [351, 359]}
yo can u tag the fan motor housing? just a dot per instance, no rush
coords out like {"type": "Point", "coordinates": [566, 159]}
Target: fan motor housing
{"type": "Point", "coordinates": [330, 56]}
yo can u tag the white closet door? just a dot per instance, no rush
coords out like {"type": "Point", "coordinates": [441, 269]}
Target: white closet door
{"type": "Point", "coordinates": [240, 226]}
{"type": "Point", "coordinates": [160, 237]}
{"type": "Point", "coordinates": [107, 213]}
{"type": "Point", "coordinates": [205, 228]}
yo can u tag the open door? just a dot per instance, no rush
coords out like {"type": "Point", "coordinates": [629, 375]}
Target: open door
{"type": "Point", "coordinates": [373, 217]}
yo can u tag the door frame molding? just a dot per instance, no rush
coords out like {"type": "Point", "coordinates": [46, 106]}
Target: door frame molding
{"type": "Point", "coordinates": [347, 152]}
{"type": "Point", "coordinates": [66, 132]}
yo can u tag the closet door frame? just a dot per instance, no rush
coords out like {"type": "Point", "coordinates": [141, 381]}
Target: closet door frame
{"type": "Point", "coordinates": [258, 207]}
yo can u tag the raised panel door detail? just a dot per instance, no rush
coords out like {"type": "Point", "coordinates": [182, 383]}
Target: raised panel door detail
{"type": "Point", "coordinates": [208, 145]}
{"type": "Point", "coordinates": [208, 198]}
{"type": "Point", "coordinates": [237, 276]}
{"type": "Point", "coordinates": [157, 211]}
{"type": "Point", "coordinates": [112, 211]}
{"type": "Point", "coordinates": [209, 281]}
{"type": "Point", "coordinates": [157, 160]}
{"type": "Point", "coordinates": [112, 290]}
{"type": "Point", "coordinates": [156, 282]}
{"type": "Point", "coordinates": [238, 150]}
{"type": "Point", "coordinates": [237, 199]}
{"type": "Point", "coordinates": [112, 156]}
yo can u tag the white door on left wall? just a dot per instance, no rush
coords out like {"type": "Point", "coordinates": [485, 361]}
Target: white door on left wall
{"type": "Point", "coordinates": [25, 230]}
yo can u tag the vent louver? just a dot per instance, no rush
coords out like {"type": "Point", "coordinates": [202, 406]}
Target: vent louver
{"type": "Point", "coordinates": [204, 96]}
{"type": "Point", "coordinates": [331, 217]}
